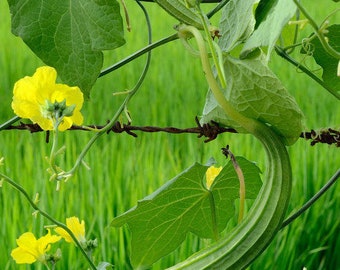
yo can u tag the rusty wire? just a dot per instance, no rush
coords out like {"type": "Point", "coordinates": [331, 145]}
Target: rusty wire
{"type": "Point", "coordinates": [210, 131]}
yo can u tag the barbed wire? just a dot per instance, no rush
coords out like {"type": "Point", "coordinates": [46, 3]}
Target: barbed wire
{"type": "Point", "coordinates": [210, 131]}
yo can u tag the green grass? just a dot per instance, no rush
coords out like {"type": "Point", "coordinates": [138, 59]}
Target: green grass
{"type": "Point", "coordinates": [125, 169]}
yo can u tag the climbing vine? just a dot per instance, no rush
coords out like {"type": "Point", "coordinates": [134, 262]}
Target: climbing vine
{"type": "Point", "coordinates": [244, 96]}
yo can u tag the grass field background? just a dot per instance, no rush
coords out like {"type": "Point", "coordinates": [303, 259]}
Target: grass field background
{"type": "Point", "coordinates": [125, 169]}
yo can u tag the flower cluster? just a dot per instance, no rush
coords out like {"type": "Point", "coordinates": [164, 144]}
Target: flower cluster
{"type": "Point", "coordinates": [30, 249]}
{"type": "Point", "coordinates": [49, 104]}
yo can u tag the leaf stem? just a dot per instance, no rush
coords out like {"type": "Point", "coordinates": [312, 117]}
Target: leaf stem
{"type": "Point", "coordinates": [53, 154]}
{"type": "Point", "coordinates": [46, 215]}
{"type": "Point", "coordinates": [212, 48]}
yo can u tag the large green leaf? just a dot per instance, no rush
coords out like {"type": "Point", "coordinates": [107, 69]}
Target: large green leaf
{"type": "Point", "coordinates": [328, 63]}
{"type": "Point", "coordinates": [69, 35]}
{"type": "Point", "coordinates": [255, 91]}
{"type": "Point", "coordinates": [269, 30]}
{"type": "Point", "coordinates": [236, 24]}
{"type": "Point", "coordinates": [160, 222]}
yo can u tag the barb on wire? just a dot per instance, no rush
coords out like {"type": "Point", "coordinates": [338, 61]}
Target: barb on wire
{"type": "Point", "coordinates": [328, 135]}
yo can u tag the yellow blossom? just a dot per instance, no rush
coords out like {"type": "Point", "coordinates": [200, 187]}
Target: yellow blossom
{"type": "Point", "coordinates": [211, 174]}
{"type": "Point", "coordinates": [77, 228]}
{"type": "Point", "coordinates": [35, 98]}
{"type": "Point", "coordinates": [31, 249]}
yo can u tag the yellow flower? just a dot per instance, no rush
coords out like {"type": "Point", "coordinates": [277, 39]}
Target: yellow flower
{"type": "Point", "coordinates": [39, 97]}
{"type": "Point", "coordinates": [31, 249]}
{"type": "Point", "coordinates": [211, 174]}
{"type": "Point", "coordinates": [77, 228]}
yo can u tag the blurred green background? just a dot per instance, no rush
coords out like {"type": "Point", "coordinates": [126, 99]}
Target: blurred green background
{"type": "Point", "coordinates": [125, 169]}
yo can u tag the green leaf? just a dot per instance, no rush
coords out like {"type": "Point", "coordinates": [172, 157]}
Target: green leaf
{"type": "Point", "coordinates": [270, 29]}
{"type": "Point", "coordinates": [262, 10]}
{"type": "Point", "coordinates": [236, 24]}
{"type": "Point", "coordinates": [69, 35]}
{"type": "Point", "coordinates": [160, 222]}
{"type": "Point", "coordinates": [328, 63]}
{"type": "Point", "coordinates": [255, 91]}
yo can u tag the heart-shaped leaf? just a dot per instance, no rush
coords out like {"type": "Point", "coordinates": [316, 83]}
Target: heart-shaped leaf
{"type": "Point", "coordinates": [69, 35]}
{"type": "Point", "coordinates": [160, 222]}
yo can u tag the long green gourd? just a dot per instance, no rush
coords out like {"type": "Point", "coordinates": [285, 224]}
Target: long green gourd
{"type": "Point", "coordinates": [238, 249]}
{"type": "Point", "coordinates": [243, 245]}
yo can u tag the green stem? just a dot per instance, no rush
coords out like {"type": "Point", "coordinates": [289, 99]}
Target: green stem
{"type": "Point", "coordinates": [138, 53]}
{"type": "Point", "coordinates": [48, 266]}
{"type": "Point", "coordinates": [247, 123]}
{"type": "Point", "coordinates": [220, 73]}
{"type": "Point", "coordinates": [290, 49]}
{"type": "Point", "coordinates": [53, 166]}
{"type": "Point", "coordinates": [46, 215]}
{"type": "Point", "coordinates": [217, 8]}
{"type": "Point", "coordinates": [54, 150]}
{"type": "Point", "coordinates": [310, 202]}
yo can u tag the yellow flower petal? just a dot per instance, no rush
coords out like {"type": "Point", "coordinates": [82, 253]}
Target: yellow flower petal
{"type": "Point", "coordinates": [30, 95]}
{"type": "Point", "coordinates": [211, 174]}
{"type": "Point", "coordinates": [26, 251]}
{"type": "Point", "coordinates": [43, 243]}
{"type": "Point", "coordinates": [77, 228]}
{"type": "Point", "coordinates": [22, 256]}
{"type": "Point", "coordinates": [31, 249]}
{"type": "Point", "coordinates": [72, 95]}
{"type": "Point", "coordinates": [64, 234]}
